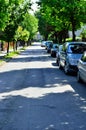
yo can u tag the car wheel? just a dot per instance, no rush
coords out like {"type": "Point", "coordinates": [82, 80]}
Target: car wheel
{"type": "Point", "coordinates": [66, 68]}
{"type": "Point", "coordinates": [51, 55]}
{"type": "Point", "coordinates": [47, 51]}
{"type": "Point", "coordinates": [78, 77]}
{"type": "Point", "coordinates": [54, 55]}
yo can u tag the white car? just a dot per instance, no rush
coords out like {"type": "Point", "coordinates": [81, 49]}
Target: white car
{"type": "Point", "coordinates": [81, 74]}
{"type": "Point", "coordinates": [43, 43]}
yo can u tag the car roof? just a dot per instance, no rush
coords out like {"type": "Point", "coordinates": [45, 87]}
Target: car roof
{"type": "Point", "coordinates": [70, 43]}
{"type": "Point", "coordinates": [76, 42]}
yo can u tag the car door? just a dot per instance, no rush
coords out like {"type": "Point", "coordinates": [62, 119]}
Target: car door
{"type": "Point", "coordinates": [83, 66]}
{"type": "Point", "coordinates": [63, 56]}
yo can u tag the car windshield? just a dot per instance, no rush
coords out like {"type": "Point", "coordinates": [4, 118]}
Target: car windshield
{"type": "Point", "coordinates": [60, 48]}
{"type": "Point", "coordinates": [55, 46]}
{"type": "Point", "coordinates": [77, 48]}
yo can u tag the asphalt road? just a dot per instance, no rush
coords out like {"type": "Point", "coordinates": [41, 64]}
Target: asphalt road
{"type": "Point", "coordinates": [36, 95]}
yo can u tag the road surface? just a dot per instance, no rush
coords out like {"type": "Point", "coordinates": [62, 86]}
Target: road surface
{"type": "Point", "coordinates": [36, 95]}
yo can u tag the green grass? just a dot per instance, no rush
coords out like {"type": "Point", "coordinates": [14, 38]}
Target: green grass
{"type": "Point", "coordinates": [1, 61]}
{"type": "Point", "coordinates": [23, 48]}
{"type": "Point", "coordinates": [9, 56]}
{"type": "Point", "coordinates": [12, 54]}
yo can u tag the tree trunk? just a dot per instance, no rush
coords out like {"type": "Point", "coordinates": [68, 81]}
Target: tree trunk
{"type": "Point", "coordinates": [2, 48]}
{"type": "Point", "coordinates": [56, 37]}
{"type": "Point", "coordinates": [60, 37]}
{"type": "Point", "coordinates": [73, 33]}
{"type": "Point", "coordinates": [65, 35]}
{"type": "Point", "coordinates": [8, 48]}
{"type": "Point", "coordinates": [46, 37]}
{"type": "Point", "coordinates": [16, 46]}
{"type": "Point", "coordinates": [73, 29]}
{"type": "Point", "coordinates": [13, 46]}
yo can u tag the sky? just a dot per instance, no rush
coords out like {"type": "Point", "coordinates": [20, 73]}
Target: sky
{"type": "Point", "coordinates": [34, 6]}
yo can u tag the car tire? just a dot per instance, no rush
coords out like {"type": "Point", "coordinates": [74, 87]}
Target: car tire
{"type": "Point", "coordinates": [51, 55]}
{"type": "Point", "coordinates": [66, 68]}
{"type": "Point", "coordinates": [55, 55]}
{"type": "Point", "coordinates": [48, 51]}
{"type": "Point", "coordinates": [78, 77]}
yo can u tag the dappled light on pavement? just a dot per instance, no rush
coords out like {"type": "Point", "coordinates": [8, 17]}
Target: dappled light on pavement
{"type": "Point", "coordinates": [36, 92]}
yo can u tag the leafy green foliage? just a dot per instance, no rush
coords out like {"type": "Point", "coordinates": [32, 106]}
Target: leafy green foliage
{"type": "Point", "coordinates": [16, 22]}
{"type": "Point", "coordinates": [31, 24]}
{"type": "Point", "coordinates": [15, 13]}
{"type": "Point", "coordinates": [63, 15]}
{"type": "Point", "coordinates": [22, 34]}
{"type": "Point", "coordinates": [4, 16]}
{"type": "Point", "coordinates": [83, 33]}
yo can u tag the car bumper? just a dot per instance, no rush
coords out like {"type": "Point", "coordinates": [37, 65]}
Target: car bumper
{"type": "Point", "coordinates": [73, 68]}
{"type": "Point", "coordinates": [53, 53]}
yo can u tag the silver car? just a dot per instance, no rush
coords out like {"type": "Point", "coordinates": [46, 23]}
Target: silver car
{"type": "Point", "coordinates": [70, 54]}
{"type": "Point", "coordinates": [81, 74]}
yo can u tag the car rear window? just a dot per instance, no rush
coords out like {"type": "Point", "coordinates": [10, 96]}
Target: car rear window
{"type": "Point", "coordinates": [55, 46]}
{"type": "Point", "coordinates": [77, 48]}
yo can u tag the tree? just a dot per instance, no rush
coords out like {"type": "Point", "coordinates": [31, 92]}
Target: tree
{"type": "Point", "coordinates": [16, 11]}
{"type": "Point", "coordinates": [64, 15]}
{"type": "Point", "coordinates": [11, 25]}
{"type": "Point", "coordinates": [4, 15]}
{"type": "Point", "coordinates": [50, 16]}
{"type": "Point", "coordinates": [43, 26]}
{"type": "Point", "coordinates": [22, 35]}
{"type": "Point", "coordinates": [30, 22]}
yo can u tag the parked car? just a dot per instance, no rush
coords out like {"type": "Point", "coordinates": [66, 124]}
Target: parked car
{"type": "Point", "coordinates": [49, 45]}
{"type": "Point", "coordinates": [70, 54]}
{"type": "Point", "coordinates": [54, 49]}
{"type": "Point", "coordinates": [58, 53]}
{"type": "Point", "coordinates": [81, 74]}
{"type": "Point", "coordinates": [43, 43]}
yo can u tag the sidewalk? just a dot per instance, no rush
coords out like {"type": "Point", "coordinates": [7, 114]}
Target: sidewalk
{"type": "Point", "coordinates": [3, 53]}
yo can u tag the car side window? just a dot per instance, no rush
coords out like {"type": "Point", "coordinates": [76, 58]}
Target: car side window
{"type": "Point", "coordinates": [83, 58]}
{"type": "Point", "coordinates": [64, 48]}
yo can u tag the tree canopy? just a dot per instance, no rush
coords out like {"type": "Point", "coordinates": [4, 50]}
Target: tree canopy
{"type": "Point", "coordinates": [15, 13]}
{"type": "Point", "coordinates": [62, 16]}
{"type": "Point", "coordinates": [16, 22]}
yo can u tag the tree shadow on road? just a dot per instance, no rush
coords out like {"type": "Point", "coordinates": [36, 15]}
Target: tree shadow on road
{"type": "Point", "coordinates": [52, 111]}
{"type": "Point", "coordinates": [41, 99]}
{"type": "Point", "coordinates": [58, 103]}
